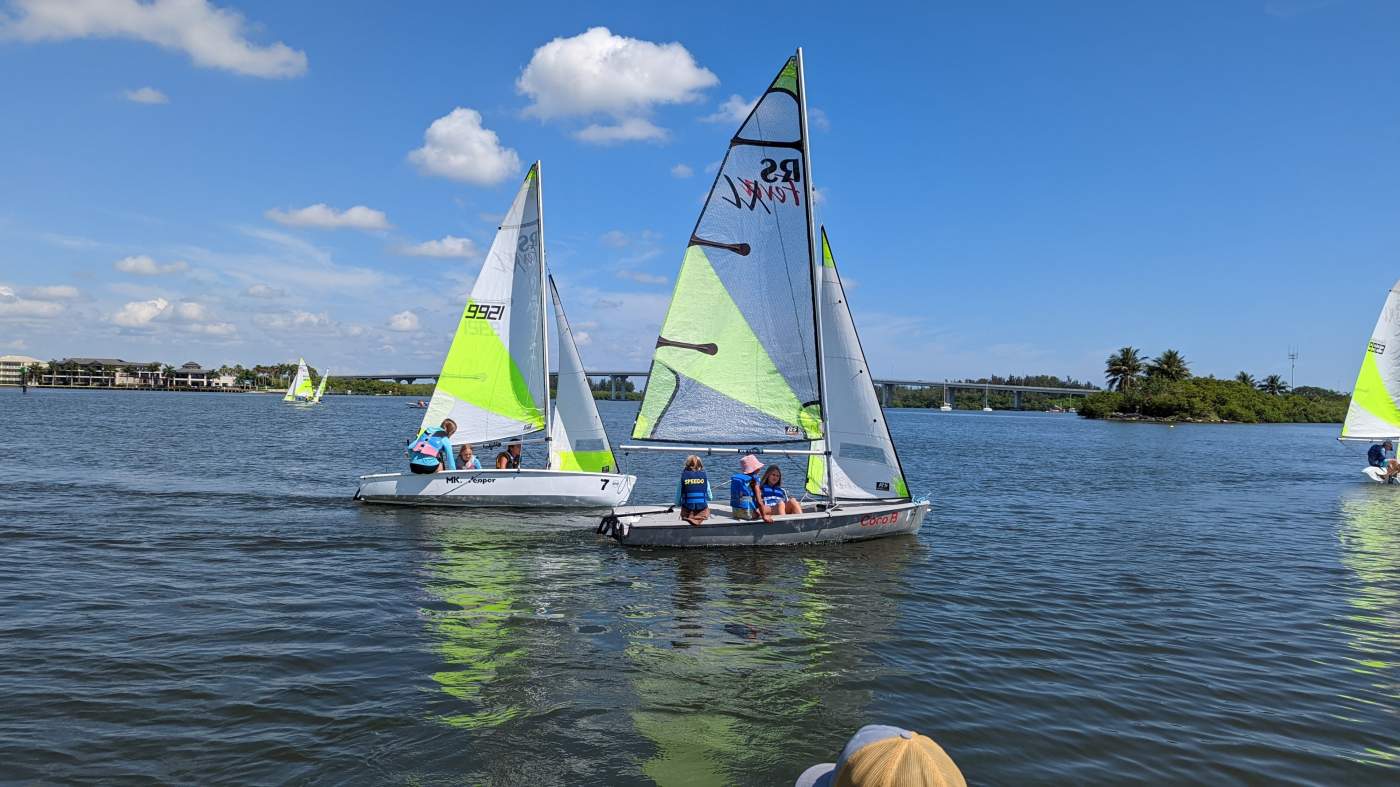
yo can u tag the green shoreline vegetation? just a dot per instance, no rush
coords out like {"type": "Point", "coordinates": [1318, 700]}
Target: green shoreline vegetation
{"type": "Point", "coordinates": [1164, 389]}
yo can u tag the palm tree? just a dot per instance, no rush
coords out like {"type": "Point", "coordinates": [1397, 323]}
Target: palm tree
{"type": "Point", "coordinates": [1123, 369]}
{"type": "Point", "coordinates": [1169, 366]}
{"type": "Point", "coordinates": [1274, 385]}
{"type": "Point", "coordinates": [1246, 378]}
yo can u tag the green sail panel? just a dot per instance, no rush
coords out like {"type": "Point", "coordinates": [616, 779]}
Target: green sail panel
{"type": "Point", "coordinates": [736, 361]}
{"type": "Point", "coordinates": [492, 381]}
{"type": "Point", "coordinates": [706, 339]}
{"type": "Point", "coordinates": [301, 387]}
{"type": "Point", "coordinates": [1374, 412]}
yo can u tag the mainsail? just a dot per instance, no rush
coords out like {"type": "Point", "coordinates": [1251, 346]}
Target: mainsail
{"type": "Point", "coordinates": [321, 389]}
{"type": "Point", "coordinates": [737, 359]}
{"type": "Point", "coordinates": [301, 383]}
{"type": "Point", "coordinates": [493, 381]}
{"type": "Point", "coordinates": [577, 440]}
{"type": "Point", "coordinates": [864, 465]}
{"type": "Point", "coordinates": [1374, 412]}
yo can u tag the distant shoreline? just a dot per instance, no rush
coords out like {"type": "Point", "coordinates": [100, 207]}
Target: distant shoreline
{"type": "Point", "coordinates": [1152, 419]}
{"type": "Point", "coordinates": [145, 389]}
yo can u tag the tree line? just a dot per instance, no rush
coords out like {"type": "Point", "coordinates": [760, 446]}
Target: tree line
{"type": "Point", "coordinates": [1164, 387]}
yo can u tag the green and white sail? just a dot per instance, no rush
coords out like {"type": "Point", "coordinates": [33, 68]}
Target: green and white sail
{"type": "Point", "coordinates": [1374, 412]}
{"type": "Point", "coordinates": [493, 379]}
{"type": "Point", "coordinates": [301, 384]}
{"type": "Point", "coordinates": [321, 388]}
{"type": "Point", "coordinates": [577, 439]}
{"type": "Point", "coordinates": [736, 361]}
{"type": "Point", "coordinates": [864, 465]}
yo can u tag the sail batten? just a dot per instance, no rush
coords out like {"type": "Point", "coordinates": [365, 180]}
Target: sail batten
{"type": "Point", "coordinates": [1374, 411]}
{"type": "Point", "coordinates": [737, 358]}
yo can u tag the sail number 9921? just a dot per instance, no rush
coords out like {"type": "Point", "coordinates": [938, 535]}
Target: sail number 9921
{"type": "Point", "coordinates": [484, 311]}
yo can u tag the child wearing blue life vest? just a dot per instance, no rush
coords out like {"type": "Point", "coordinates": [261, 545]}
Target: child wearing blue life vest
{"type": "Point", "coordinates": [775, 499]}
{"type": "Point", "coordinates": [743, 493]}
{"type": "Point", "coordinates": [693, 493]}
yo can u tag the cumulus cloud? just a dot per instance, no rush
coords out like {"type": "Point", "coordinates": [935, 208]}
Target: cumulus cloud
{"type": "Point", "coordinates": [55, 292]}
{"type": "Point", "coordinates": [403, 321]}
{"type": "Point", "coordinates": [447, 246]}
{"type": "Point", "coordinates": [294, 319]}
{"type": "Point", "coordinates": [212, 328]}
{"type": "Point", "coordinates": [213, 37]}
{"type": "Point", "coordinates": [323, 217]}
{"type": "Point", "coordinates": [457, 146]}
{"type": "Point", "coordinates": [147, 95]}
{"type": "Point", "coordinates": [596, 71]}
{"type": "Point", "coordinates": [614, 239]}
{"type": "Point", "coordinates": [12, 305]}
{"type": "Point", "coordinates": [642, 277]}
{"type": "Point", "coordinates": [625, 130]}
{"type": "Point", "coordinates": [139, 314]}
{"type": "Point", "coordinates": [142, 265]}
{"type": "Point", "coordinates": [735, 109]}
{"type": "Point", "coordinates": [681, 171]}
{"type": "Point", "coordinates": [191, 311]}
{"type": "Point", "coordinates": [264, 291]}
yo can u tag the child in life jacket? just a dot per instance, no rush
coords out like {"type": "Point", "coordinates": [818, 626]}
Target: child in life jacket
{"type": "Point", "coordinates": [693, 493]}
{"type": "Point", "coordinates": [431, 450]}
{"type": "Point", "coordinates": [774, 497]}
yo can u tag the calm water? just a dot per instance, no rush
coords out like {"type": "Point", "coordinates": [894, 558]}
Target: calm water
{"type": "Point", "coordinates": [187, 594]}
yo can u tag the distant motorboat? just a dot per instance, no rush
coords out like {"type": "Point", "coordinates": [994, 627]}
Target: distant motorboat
{"type": "Point", "coordinates": [418, 405]}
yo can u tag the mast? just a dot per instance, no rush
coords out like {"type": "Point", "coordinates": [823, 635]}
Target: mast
{"type": "Point", "coordinates": [544, 313]}
{"type": "Point", "coordinates": [816, 279]}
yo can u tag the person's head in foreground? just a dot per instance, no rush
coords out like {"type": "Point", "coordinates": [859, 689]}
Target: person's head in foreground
{"type": "Point", "coordinates": [1387, 445]}
{"type": "Point", "coordinates": [882, 756]}
{"type": "Point", "coordinates": [449, 426]}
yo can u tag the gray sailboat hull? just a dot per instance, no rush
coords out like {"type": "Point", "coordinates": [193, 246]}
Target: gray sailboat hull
{"type": "Point", "coordinates": [661, 526]}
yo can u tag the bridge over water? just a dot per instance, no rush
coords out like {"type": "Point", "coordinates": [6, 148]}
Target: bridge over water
{"type": "Point", "coordinates": [885, 387]}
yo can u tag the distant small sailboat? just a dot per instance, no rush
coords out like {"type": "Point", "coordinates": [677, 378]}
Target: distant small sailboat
{"type": "Point", "coordinates": [495, 385]}
{"type": "Point", "coordinates": [301, 389]}
{"type": "Point", "coordinates": [731, 371]}
{"type": "Point", "coordinates": [321, 388]}
{"type": "Point", "coordinates": [945, 408]}
{"type": "Point", "coordinates": [1374, 412]}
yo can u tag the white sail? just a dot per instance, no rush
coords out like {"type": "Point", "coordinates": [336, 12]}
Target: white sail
{"type": "Point", "coordinates": [493, 379]}
{"type": "Point", "coordinates": [577, 439]}
{"type": "Point", "coordinates": [321, 389]}
{"type": "Point", "coordinates": [864, 465]}
{"type": "Point", "coordinates": [301, 383]}
{"type": "Point", "coordinates": [1374, 412]}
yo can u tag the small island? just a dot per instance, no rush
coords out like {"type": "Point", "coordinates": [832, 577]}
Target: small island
{"type": "Point", "coordinates": [1163, 389]}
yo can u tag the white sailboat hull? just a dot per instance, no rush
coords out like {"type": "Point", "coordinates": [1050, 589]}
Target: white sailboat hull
{"type": "Point", "coordinates": [660, 526]}
{"type": "Point", "coordinates": [498, 489]}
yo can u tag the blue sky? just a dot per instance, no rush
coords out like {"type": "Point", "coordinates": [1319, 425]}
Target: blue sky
{"type": "Point", "coordinates": [1014, 187]}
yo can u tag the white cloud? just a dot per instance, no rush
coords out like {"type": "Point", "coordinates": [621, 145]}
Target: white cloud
{"type": "Point", "coordinates": [818, 119]}
{"type": "Point", "coordinates": [457, 146]}
{"type": "Point", "coordinates": [323, 217]}
{"type": "Point", "coordinates": [212, 328]}
{"type": "Point", "coordinates": [191, 311]}
{"type": "Point", "coordinates": [138, 314]}
{"type": "Point", "coordinates": [55, 292]}
{"type": "Point", "coordinates": [818, 196]}
{"type": "Point", "coordinates": [12, 305]}
{"type": "Point", "coordinates": [147, 95]}
{"type": "Point", "coordinates": [681, 171]}
{"type": "Point", "coordinates": [403, 321]}
{"type": "Point", "coordinates": [142, 265]}
{"type": "Point", "coordinates": [448, 246]}
{"type": "Point", "coordinates": [614, 239]}
{"type": "Point", "coordinates": [597, 71]}
{"type": "Point", "coordinates": [582, 338]}
{"type": "Point", "coordinates": [213, 37]}
{"type": "Point", "coordinates": [264, 291]}
{"type": "Point", "coordinates": [294, 319]}
{"type": "Point", "coordinates": [735, 109]}
{"type": "Point", "coordinates": [626, 130]}
{"type": "Point", "coordinates": [642, 277]}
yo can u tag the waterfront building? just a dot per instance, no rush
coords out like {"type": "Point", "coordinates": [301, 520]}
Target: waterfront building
{"type": "Point", "coordinates": [191, 375]}
{"type": "Point", "coordinates": [104, 373]}
{"type": "Point", "coordinates": [13, 366]}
